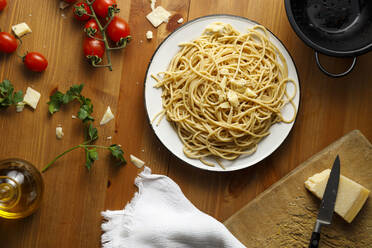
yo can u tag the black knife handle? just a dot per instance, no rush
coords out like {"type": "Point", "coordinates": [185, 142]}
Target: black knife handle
{"type": "Point", "coordinates": [314, 241]}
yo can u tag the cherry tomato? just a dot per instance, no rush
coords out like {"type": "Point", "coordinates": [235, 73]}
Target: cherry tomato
{"type": "Point", "coordinates": [118, 29]}
{"type": "Point", "coordinates": [2, 4]}
{"type": "Point", "coordinates": [93, 50]}
{"type": "Point", "coordinates": [35, 61]}
{"type": "Point", "coordinates": [70, 1]}
{"type": "Point", "coordinates": [8, 42]}
{"type": "Point", "coordinates": [91, 27]}
{"type": "Point", "coordinates": [79, 10]}
{"type": "Point", "coordinates": [101, 7]}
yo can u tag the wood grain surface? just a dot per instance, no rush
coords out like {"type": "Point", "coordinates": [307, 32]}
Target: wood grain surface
{"type": "Point", "coordinates": [70, 212]}
{"type": "Point", "coordinates": [284, 215]}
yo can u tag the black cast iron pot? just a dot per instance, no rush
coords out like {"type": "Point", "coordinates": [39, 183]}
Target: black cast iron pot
{"type": "Point", "coordinates": [340, 28]}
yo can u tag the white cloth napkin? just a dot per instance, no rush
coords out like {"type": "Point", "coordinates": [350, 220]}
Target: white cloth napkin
{"type": "Point", "coordinates": [160, 216]}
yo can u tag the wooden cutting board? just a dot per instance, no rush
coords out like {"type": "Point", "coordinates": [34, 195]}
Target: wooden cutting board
{"type": "Point", "coordinates": [284, 215]}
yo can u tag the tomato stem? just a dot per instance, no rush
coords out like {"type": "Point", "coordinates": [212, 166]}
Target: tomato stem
{"type": "Point", "coordinates": [107, 65]}
{"type": "Point", "coordinates": [60, 155]}
{"type": "Point", "coordinates": [90, 2]}
{"type": "Point", "coordinates": [125, 43]}
{"type": "Point", "coordinates": [108, 23]}
{"type": "Point", "coordinates": [18, 48]}
{"type": "Point", "coordinates": [104, 38]}
{"type": "Point", "coordinates": [94, 37]}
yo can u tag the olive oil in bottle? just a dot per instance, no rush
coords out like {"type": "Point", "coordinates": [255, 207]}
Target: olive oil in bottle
{"type": "Point", "coordinates": [21, 188]}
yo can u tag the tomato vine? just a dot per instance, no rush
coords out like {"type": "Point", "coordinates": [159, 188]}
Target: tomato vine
{"type": "Point", "coordinates": [104, 8]}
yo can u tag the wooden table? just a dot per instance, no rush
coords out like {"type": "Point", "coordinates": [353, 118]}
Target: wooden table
{"type": "Point", "coordinates": [70, 212]}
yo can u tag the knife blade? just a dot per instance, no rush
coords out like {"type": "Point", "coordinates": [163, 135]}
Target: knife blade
{"type": "Point", "coordinates": [328, 203]}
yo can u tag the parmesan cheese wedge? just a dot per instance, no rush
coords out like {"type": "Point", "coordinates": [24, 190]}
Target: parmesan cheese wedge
{"type": "Point", "coordinates": [20, 106]}
{"type": "Point", "coordinates": [31, 97]}
{"type": "Point", "coordinates": [136, 161]}
{"type": "Point", "coordinates": [149, 35]}
{"type": "Point", "coordinates": [158, 16]}
{"type": "Point", "coordinates": [21, 29]}
{"type": "Point", "coordinates": [250, 93]}
{"type": "Point", "coordinates": [108, 116]}
{"type": "Point", "coordinates": [351, 196]}
{"type": "Point", "coordinates": [217, 27]}
{"type": "Point", "coordinates": [224, 105]}
{"type": "Point", "coordinates": [233, 98]}
{"type": "Point", "coordinates": [59, 132]}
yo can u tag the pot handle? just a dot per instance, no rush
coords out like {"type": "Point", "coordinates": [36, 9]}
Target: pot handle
{"type": "Point", "coordinates": [334, 74]}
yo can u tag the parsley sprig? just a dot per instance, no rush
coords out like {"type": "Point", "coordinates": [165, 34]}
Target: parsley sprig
{"type": "Point", "coordinates": [7, 95]}
{"type": "Point", "coordinates": [91, 133]}
{"type": "Point", "coordinates": [74, 93]}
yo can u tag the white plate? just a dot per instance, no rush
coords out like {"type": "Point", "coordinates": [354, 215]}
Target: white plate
{"type": "Point", "coordinates": [167, 134]}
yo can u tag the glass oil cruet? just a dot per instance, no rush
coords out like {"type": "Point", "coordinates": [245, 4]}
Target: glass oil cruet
{"type": "Point", "coordinates": [21, 188]}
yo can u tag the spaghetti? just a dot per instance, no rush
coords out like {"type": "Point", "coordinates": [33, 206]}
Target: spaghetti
{"type": "Point", "coordinates": [224, 90]}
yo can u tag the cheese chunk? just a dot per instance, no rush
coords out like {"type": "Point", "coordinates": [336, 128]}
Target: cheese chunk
{"type": "Point", "coordinates": [224, 105]}
{"type": "Point", "coordinates": [20, 106]}
{"type": "Point", "coordinates": [250, 93]}
{"type": "Point", "coordinates": [233, 98]}
{"type": "Point", "coordinates": [239, 83]}
{"type": "Point", "coordinates": [31, 98]}
{"type": "Point", "coordinates": [59, 132]}
{"type": "Point", "coordinates": [136, 161]}
{"type": "Point", "coordinates": [158, 16]}
{"type": "Point", "coordinates": [149, 35]}
{"type": "Point", "coordinates": [180, 20]}
{"type": "Point", "coordinates": [216, 27]}
{"type": "Point", "coordinates": [108, 116]}
{"type": "Point", "coordinates": [351, 196]}
{"type": "Point", "coordinates": [21, 29]}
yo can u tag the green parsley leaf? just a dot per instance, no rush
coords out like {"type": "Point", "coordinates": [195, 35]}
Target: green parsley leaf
{"type": "Point", "coordinates": [85, 111]}
{"type": "Point", "coordinates": [117, 153]}
{"type": "Point", "coordinates": [5, 87]}
{"type": "Point", "coordinates": [18, 97]}
{"type": "Point", "coordinates": [7, 97]}
{"type": "Point", "coordinates": [73, 93]}
{"type": "Point", "coordinates": [58, 98]}
{"type": "Point", "coordinates": [66, 98]}
{"type": "Point", "coordinates": [91, 156]}
{"type": "Point", "coordinates": [76, 89]}
{"type": "Point", "coordinates": [92, 132]}
{"type": "Point", "coordinates": [55, 102]}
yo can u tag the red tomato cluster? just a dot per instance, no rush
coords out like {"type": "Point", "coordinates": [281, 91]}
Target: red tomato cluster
{"type": "Point", "coordinates": [95, 44]}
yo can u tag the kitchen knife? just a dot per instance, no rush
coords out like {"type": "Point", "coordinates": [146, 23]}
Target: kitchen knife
{"type": "Point", "coordinates": [328, 203]}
